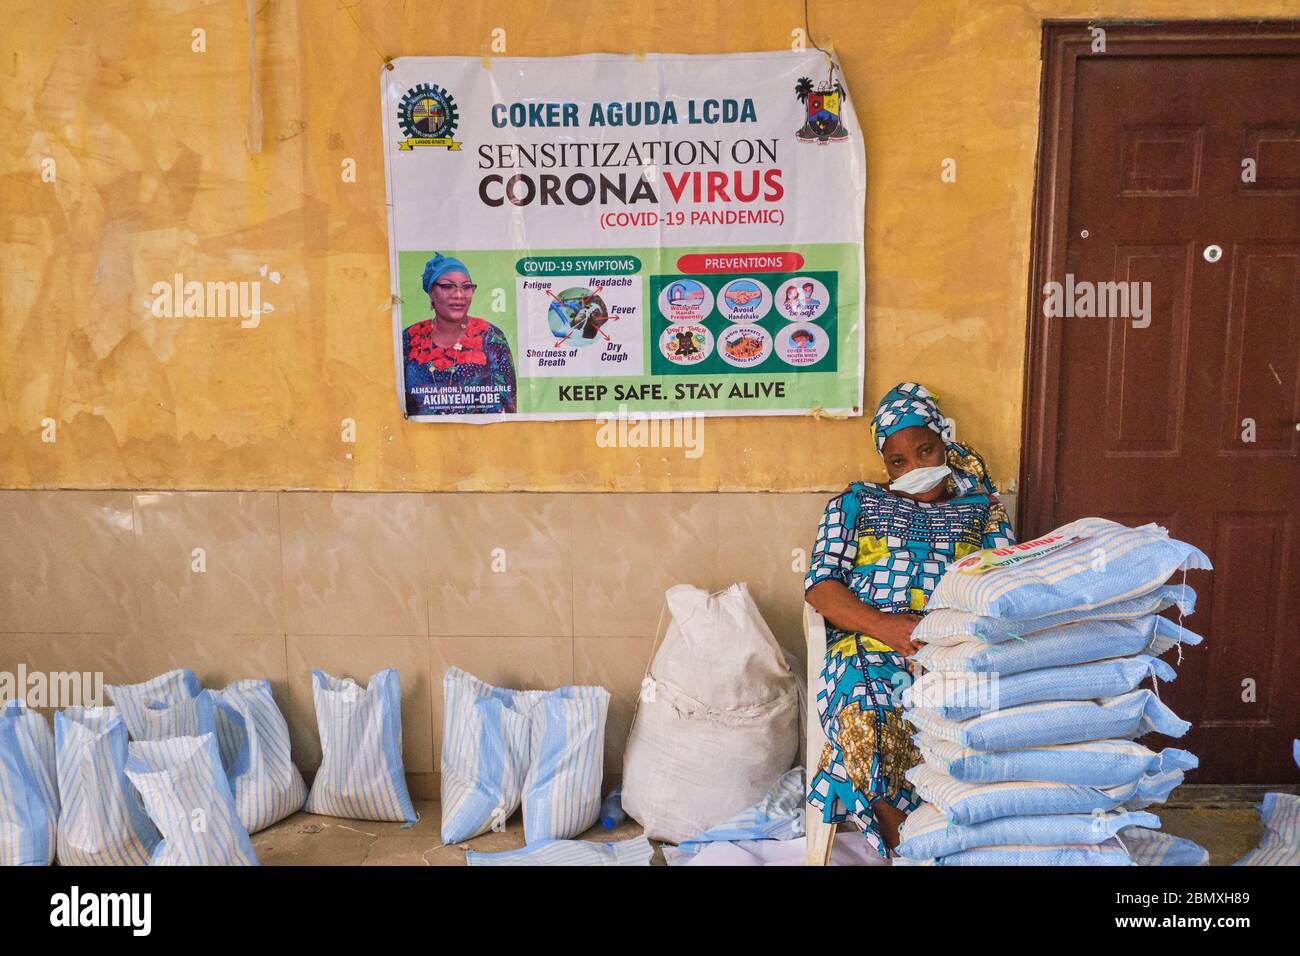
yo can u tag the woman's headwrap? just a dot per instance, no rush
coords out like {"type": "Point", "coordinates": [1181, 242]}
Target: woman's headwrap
{"type": "Point", "coordinates": [909, 404]}
{"type": "Point", "coordinates": [439, 266]}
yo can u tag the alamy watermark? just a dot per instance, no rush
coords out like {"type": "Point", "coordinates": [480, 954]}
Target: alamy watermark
{"type": "Point", "coordinates": [1102, 300]}
{"type": "Point", "coordinates": [181, 299]}
{"type": "Point", "coordinates": [626, 429]}
{"type": "Point", "coordinates": [74, 908]}
{"type": "Point", "coordinates": [57, 689]}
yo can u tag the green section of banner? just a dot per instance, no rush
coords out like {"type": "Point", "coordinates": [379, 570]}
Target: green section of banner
{"type": "Point", "coordinates": [831, 380]}
{"type": "Point", "coordinates": [730, 328]}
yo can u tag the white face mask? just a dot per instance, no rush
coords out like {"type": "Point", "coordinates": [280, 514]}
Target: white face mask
{"type": "Point", "coordinates": [919, 480]}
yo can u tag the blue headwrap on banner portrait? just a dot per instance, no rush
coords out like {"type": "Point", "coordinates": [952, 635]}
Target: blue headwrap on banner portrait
{"type": "Point", "coordinates": [439, 266]}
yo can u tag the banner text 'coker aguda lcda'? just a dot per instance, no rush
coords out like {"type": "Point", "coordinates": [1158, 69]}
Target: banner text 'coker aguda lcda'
{"type": "Point", "coordinates": [671, 234]}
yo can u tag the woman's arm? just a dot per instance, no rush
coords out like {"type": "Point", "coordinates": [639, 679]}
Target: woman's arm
{"type": "Point", "coordinates": [829, 569]}
{"type": "Point", "coordinates": [845, 610]}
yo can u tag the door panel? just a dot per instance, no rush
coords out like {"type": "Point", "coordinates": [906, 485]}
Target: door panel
{"type": "Point", "coordinates": [1262, 349]}
{"type": "Point", "coordinates": [1146, 367]}
{"type": "Point", "coordinates": [1186, 417]}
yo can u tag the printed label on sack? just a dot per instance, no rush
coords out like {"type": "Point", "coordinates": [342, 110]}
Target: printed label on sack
{"type": "Point", "coordinates": [991, 559]}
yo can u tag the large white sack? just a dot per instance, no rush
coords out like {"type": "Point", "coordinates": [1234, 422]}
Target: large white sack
{"type": "Point", "coordinates": [718, 718]}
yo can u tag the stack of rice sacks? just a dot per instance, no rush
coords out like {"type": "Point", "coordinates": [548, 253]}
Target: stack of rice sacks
{"type": "Point", "coordinates": [1029, 703]}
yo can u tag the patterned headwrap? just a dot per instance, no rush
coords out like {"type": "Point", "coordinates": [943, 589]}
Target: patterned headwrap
{"type": "Point", "coordinates": [909, 404]}
{"type": "Point", "coordinates": [439, 266]}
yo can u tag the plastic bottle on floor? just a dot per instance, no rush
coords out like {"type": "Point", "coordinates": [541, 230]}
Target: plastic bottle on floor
{"type": "Point", "coordinates": [611, 811]}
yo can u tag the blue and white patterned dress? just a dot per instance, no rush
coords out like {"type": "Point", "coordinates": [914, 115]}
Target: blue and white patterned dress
{"type": "Point", "coordinates": [890, 551]}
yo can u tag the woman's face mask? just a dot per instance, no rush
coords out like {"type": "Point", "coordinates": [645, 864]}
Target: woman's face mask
{"type": "Point", "coordinates": [915, 458]}
{"type": "Point", "coordinates": [920, 480]}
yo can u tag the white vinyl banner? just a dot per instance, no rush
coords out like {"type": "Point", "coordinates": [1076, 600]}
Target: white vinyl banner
{"type": "Point", "coordinates": [574, 237]}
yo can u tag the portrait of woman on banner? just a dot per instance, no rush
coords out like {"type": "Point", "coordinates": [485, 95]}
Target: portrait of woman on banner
{"type": "Point", "coordinates": [456, 364]}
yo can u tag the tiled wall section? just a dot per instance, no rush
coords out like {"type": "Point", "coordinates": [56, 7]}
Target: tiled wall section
{"type": "Point", "coordinates": [523, 590]}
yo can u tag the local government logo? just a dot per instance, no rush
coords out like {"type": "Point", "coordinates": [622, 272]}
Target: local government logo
{"type": "Point", "coordinates": [427, 115]}
{"type": "Point", "coordinates": [822, 120]}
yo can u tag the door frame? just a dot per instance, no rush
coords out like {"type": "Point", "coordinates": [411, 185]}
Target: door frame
{"type": "Point", "coordinates": [1065, 42]}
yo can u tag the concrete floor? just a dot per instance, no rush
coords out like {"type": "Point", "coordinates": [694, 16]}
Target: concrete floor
{"type": "Point", "coordinates": [305, 839]}
{"type": "Point", "coordinates": [1227, 830]}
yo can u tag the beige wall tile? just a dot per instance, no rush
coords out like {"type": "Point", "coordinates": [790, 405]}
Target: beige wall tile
{"type": "Point", "coordinates": [220, 659]}
{"type": "Point", "coordinates": [239, 592]}
{"type": "Point", "coordinates": [360, 657]}
{"type": "Point", "coordinates": [629, 549]}
{"type": "Point", "coordinates": [519, 663]}
{"type": "Point", "coordinates": [67, 562]}
{"type": "Point", "coordinates": [617, 664]}
{"type": "Point", "coordinates": [759, 535]}
{"type": "Point", "coordinates": [354, 563]}
{"type": "Point", "coordinates": [348, 577]}
{"type": "Point", "coordinates": [468, 595]}
{"type": "Point", "coordinates": [105, 658]}
{"type": "Point", "coordinates": [424, 786]}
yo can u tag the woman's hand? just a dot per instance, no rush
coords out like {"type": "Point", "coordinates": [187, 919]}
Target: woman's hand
{"type": "Point", "coordinates": [896, 631]}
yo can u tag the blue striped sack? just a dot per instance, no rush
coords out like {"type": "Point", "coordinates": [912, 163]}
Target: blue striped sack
{"type": "Point", "coordinates": [192, 717]}
{"type": "Point", "coordinates": [361, 774]}
{"type": "Point", "coordinates": [1068, 644]}
{"type": "Point", "coordinates": [926, 834]}
{"type": "Point", "coordinates": [1055, 722]}
{"type": "Point", "coordinates": [634, 852]}
{"type": "Point", "coordinates": [1153, 848]}
{"type": "Point", "coordinates": [1094, 763]}
{"type": "Point", "coordinates": [969, 803]}
{"type": "Point", "coordinates": [1108, 853]}
{"type": "Point", "coordinates": [486, 753]}
{"type": "Point", "coordinates": [1078, 567]}
{"type": "Point", "coordinates": [961, 696]}
{"type": "Point", "coordinates": [502, 747]}
{"type": "Point", "coordinates": [164, 706]}
{"type": "Point", "coordinates": [567, 760]}
{"type": "Point", "coordinates": [29, 794]}
{"type": "Point", "coordinates": [187, 795]}
{"type": "Point", "coordinates": [103, 822]}
{"type": "Point", "coordinates": [254, 742]}
{"type": "Point", "coordinates": [945, 627]}
{"type": "Point", "coordinates": [1280, 845]}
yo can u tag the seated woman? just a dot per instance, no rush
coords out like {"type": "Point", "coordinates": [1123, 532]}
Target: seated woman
{"type": "Point", "coordinates": [455, 363]}
{"type": "Point", "coordinates": [880, 551]}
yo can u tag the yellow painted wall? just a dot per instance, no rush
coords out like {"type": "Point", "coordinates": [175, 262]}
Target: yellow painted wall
{"type": "Point", "coordinates": [154, 178]}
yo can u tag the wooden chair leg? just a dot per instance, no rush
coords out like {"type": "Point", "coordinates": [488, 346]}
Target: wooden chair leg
{"type": "Point", "coordinates": [820, 837]}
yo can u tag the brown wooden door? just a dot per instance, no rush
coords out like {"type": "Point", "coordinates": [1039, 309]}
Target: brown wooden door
{"type": "Point", "coordinates": [1190, 421]}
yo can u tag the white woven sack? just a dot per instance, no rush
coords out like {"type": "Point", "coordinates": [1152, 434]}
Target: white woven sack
{"type": "Point", "coordinates": [718, 717]}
